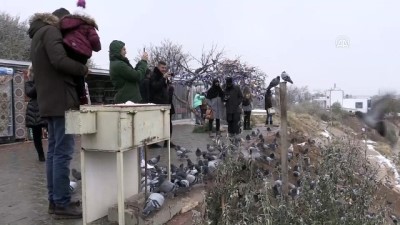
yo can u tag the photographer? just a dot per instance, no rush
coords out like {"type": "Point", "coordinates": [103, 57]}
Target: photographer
{"type": "Point", "coordinates": [160, 90]}
{"type": "Point", "coordinates": [233, 98]}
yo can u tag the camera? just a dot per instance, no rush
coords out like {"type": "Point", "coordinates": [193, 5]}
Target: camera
{"type": "Point", "coordinates": [172, 74]}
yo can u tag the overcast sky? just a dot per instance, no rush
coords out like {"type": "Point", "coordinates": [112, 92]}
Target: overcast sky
{"type": "Point", "coordinates": [355, 44]}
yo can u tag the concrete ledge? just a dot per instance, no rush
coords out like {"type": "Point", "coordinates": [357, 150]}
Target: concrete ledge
{"type": "Point", "coordinates": [172, 206]}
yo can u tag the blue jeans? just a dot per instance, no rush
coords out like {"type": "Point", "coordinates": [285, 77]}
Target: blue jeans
{"type": "Point", "coordinates": [59, 155]}
{"type": "Point", "coordinates": [199, 119]}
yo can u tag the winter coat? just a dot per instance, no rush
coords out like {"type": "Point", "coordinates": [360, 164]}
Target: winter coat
{"type": "Point", "coordinates": [198, 100]}
{"type": "Point", "coordinates": [159, 93]}
{"type": "Point", "coordinates": [54, 70]}
{"type": "Point", "coordinates": [217, 107]}
{"type": "Point", "coordinates": [268, 99]}
{"type": "Point", "coordinates": [145, 90]}
{"type": "Point", "coordinates": [233, 97]}
{"type": "Point", "coordinates": [171, 90]}
{"type": "Point", "coordinates": [247, 104]}
{"type": "Point", "coordinates": [124, 77]}
{"type": "Point", "coordinates": [80, 34]}
{"type": "Point", "coordinates": [32, 117]}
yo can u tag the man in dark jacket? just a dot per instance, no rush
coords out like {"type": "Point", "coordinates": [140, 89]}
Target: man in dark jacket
{"type": "Point", "coordinates": [160, 92]}
{"type": "Point", "coordinates": [233, 97]}
{"type": "Point", "coordinates": [145, 87]}
{"type": "Point", "coordinates": [56, 93]}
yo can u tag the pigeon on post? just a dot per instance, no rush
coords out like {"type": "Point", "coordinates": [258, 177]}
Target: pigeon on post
{"type": "Point", "coordinates": [285, 77]}
{"type": "Point", "coordinates": [274, 82]}
{"type": "Point", "coordinates": [375, 119]}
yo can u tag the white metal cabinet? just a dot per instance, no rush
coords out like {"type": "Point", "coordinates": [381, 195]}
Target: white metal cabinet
{"type": "Point", "coordinates": [110, 162]}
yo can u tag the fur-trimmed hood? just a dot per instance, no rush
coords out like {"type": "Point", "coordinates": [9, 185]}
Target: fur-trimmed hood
{"type": "Point", "coordinates": [40, 20]}
{"type": "Point", "coordinates": [75, 20]}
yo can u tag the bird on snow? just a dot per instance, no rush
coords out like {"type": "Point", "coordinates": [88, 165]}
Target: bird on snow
{"type": "Point", "coordinates": [154, 202]}
{"type": "Point", "coordinates": [375, 119]}
{"type": "Point", "coordinates": [286, 77]}
{"type": "Point", "coordinates": [274, 82]}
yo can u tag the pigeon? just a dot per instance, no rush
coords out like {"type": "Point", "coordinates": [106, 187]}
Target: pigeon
{"type": "Point", "coordinates": [210, 148]}
{"type": "Point", "coordinates": [286, 77]}
{"type": "Point", "coordinates": [375, 118]}
{"type": "Point", "coordinates": [190, 164]}
{"type": "Point", "coordinates": [296, 173]}
{"type": "Point", "coordinates": [192, 179]}
{"type": "Point", "coordinates": [154, 202]}
{"type": "Point", "coordinates": [248, 138]}
{"type": "Point", "coordinates": [268, 129]}
{"type": "Point", "coordinates": [154, 161]}
{"type": "Point", "coordinates": [167, 187]}
{"type": "Point", "coordinates": [198, 153]}
{"type": "Point", "coordinates": [77, 175]}
{"type": "Point", "coordinates": [274, 82]}
{"type": "Point", "coordinates": [277, 188]}
{"type": "Point", "coordinates": [253, 133]}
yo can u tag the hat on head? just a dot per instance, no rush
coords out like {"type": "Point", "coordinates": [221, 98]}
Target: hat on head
{"type": "Point", "coordinates": [61, 12]}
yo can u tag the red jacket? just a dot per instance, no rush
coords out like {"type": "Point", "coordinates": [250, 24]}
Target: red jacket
{"type": "Point", "coordinates": [79, 34]}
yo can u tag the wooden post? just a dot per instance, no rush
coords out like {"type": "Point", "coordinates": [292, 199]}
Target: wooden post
{"type": "Point", "coordinates": [145, 170]}
{"type": "Point", "coordinates": [284, 143]}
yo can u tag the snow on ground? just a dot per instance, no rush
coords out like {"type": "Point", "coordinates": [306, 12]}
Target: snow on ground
{"type": "Point", "coordinates": [326, 134]}
{"type": "Point", "coordinates": [384, 162]}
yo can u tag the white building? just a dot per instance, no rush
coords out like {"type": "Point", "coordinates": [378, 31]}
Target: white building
{"type": "Point", "coordinates": [348, 103]}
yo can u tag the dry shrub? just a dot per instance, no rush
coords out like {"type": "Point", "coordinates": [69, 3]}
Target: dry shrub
{"type": "Point", "coordinates": [345, 192]}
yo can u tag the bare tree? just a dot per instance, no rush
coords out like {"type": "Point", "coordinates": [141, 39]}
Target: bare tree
{"type": "Point", "coordinates": [14, 41]}
{"type": "Point", "coordinates": [91, 64]}
{"type": "Point", "coordinates": [191, 71]}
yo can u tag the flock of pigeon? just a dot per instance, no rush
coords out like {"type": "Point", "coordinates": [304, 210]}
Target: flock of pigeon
{"type": "Point", "coordinates": [267, 157]}
{"type": "Point", "coordinates": [183, 177]}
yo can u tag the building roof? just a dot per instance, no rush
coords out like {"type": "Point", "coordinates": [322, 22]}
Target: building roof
{"type": "Point", "coordinates": [25, 64]}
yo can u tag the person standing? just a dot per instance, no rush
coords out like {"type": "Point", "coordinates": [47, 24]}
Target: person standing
{"type": "Point", "coordinates": [55, 87]}
{"type": "Point", "coordinates": [268, 106]}
{"type": "Point", "coordinates": [124, 76]}
{"type": "Point", "coordinates": [161, 93]}
{"type": "Point", "coordinates": [214, 100]}
{"type": "Point", "coordinates": [32, 118]}
{"type": "Point", "coordinates": [233, 98]}
{"type": "Point", "coordinates": [145, 87]}
{"type": "Point", "coordinates": [247, 107]}
{"type": "Point", "coordinates": [197, 103]}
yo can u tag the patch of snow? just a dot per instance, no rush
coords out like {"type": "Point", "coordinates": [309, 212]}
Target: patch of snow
{"type": "Point", "coordinates": [369, 142]}
{"type": "Point", "coordinates": [371, 147]}
{"type": "Point", "coordinates": [132, 103]}
{"type": "Point", "coordinates": [302, 144]}
{"type": "Point", "coordinates": [382, 160]}
{"type": "Point", "coordinates": [326, 134]}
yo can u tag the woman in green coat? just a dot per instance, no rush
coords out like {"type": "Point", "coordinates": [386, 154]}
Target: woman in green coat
{"type": "Point", "coordinates": [124, 77]}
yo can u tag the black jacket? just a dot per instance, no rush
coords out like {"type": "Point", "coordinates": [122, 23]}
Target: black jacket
{"type": "Point", "coordinates": [159, 93]}
{"type": "Point", "coordinates": [54, 70]}
{"type": "Point", "coordinates": [32, 117]}
{"type": "Point", "coordinates": [145, 90]}
{"type": "Point", "coordinates": [268, 99]}
{"type": "Point", "coordinates": [233, 97]}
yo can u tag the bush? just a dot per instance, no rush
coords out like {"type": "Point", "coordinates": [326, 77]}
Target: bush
{"type": "Point", "coordinates": [346, 192]}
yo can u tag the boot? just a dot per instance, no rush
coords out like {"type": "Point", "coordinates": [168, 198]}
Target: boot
{"type": "Point", "coordinates": [71, 211]}
{"type": "Point", "coordinates": [41, 157]}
